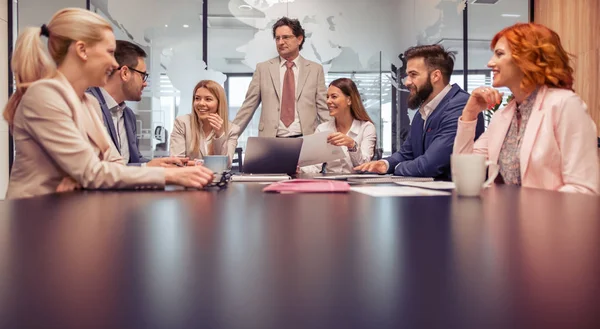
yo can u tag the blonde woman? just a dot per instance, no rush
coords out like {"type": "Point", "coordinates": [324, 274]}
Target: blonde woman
{"type": "Point", "coordinates": [59, 138]}
{"type": "Point", "coordinates": [207, 130]}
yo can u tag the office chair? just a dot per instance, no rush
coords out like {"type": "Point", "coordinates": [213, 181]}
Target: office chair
{"type": "Point", "coordinates": [377, 154]}
{"type": "Point", "coordinates": [236, 162]}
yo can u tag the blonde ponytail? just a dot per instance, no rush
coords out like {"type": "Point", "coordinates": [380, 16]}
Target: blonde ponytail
{"type": "Point", "coordinates": [30, 60]}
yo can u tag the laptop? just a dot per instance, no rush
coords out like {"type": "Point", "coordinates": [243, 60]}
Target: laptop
{"type": "Point", "coordinates": [271, 155]}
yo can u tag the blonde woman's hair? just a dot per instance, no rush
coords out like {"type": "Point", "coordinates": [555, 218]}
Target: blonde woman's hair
{"type": "Point", "coordinates": [216, 90]}
{"type": "Point", "coordinates": [30, 60]}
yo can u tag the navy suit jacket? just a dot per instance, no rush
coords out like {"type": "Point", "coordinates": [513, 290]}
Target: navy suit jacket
{"type": "Point", "coordinates": [426, 151]}
{"type": "Point", "coordinates": [135, 157]}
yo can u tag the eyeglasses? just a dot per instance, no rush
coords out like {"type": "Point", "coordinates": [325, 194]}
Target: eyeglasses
{"type": "Point", "coordinates": [144, 74]}
{"type": "Point", "coordinates": [284, 37]}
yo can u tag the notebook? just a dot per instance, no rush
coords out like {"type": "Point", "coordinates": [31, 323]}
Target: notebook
{"type": "Point", "coordinates": [347, 176]}
{"type": "Point", "coordinates": [307, 186]}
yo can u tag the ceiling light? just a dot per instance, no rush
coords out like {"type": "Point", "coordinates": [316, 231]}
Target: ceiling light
{"type": "Point", "coordinates": [245, 7]}
{"type": "Point", "coordinates": [185, 26]}
{"type": "Point", "coordinates": [511, 15]}
{"type": "Point", "coordinates": [166, 25]}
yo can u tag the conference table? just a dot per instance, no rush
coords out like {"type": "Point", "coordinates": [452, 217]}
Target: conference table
{"type": "Point", "coordinates": [237, 257]}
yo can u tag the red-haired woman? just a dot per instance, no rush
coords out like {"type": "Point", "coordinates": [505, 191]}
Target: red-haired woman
{"type": "Point", "coordinates": [544, 138]}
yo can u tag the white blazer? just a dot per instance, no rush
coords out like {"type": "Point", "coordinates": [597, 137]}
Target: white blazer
{"type": "Point", "coordinates": [365, 135]}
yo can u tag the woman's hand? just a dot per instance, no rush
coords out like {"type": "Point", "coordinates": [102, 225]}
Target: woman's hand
{"type": "Point", "coordinates": [216, 123]}
{"type": "Point", "coordinates": [68, 184]}
{"type": "Point", "coordinates": [482, 98]}
{"type": "Point", "coordinates": [196, 176]}
{"type": "Point", "coordinates": [339, 139]}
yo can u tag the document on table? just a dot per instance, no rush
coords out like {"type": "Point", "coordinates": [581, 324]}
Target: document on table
{"type": "Point", "coordinates": [348, 176]}
{"type": "Point", "coordinates": [382, 191]}
{"type": "Point", "coordinates": [436, 185]}
{"type": "Point", "coordinates": [260, 178]}
{"type": "Point", "coordinates": [315, 150]}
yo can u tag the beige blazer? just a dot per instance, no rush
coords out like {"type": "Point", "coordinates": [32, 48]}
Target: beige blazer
{"type": "Point", "coordinates": [59, 135]}
{"type": "Point", "coordinates": [264, 88]}
{"type": "Point", "coordinates": [181, 139]}
{"type": "Point", "coordinates": [558, 150]}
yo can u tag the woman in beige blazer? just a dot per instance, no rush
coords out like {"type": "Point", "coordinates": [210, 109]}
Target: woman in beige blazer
{"type": "Point", "coordinates": [207, 130]}
{"type": "Point", "coordinates": [60, 140]}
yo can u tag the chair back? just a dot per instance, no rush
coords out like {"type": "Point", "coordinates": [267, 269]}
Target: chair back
{"type": "Point", "coordinates": [236, 162]}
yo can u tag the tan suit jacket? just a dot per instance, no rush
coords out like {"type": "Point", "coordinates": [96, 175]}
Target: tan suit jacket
{"type": "Point", "coordinates": [181, 139]}
{"type": "Point", "coordinates": [265, 88]}
{"type": "Point", "coordinates": [59, 135]}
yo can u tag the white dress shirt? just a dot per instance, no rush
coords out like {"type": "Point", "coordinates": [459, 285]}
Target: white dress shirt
{"type": "Point", "coordinates": [116, 112]}
{"type": "Point", "coordinates": [426, 109]}
{"type": "Point", "coordinates": [294, 128]}
{"type": "Point", "coordinates": [365, 136]}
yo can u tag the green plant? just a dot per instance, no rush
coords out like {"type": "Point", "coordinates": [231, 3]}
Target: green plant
{"type": "Point", "coordinates": [488, 114]}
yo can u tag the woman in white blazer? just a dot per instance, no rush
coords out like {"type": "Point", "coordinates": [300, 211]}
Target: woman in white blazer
{"type": "Point", "coordinates": [351, 128]}
{"type": "Point", "coordinates": [60, 140]}
{"type": "Point", "coordinates": [207, 130]}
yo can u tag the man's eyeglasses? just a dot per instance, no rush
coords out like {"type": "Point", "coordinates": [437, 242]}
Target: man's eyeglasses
{"type": "Point", "coordinates": [284, 37]}
{"type": "Point", "coordinates": [144, 74]}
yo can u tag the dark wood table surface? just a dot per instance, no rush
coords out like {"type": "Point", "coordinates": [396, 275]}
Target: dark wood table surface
{"type": "Point", "coordinates": [240, 258]}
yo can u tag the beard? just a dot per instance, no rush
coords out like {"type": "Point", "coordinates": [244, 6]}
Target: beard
{"type": "Point", "coordinates": [421, 94]}
{"type": "Point", "coordinates": [132, 92]}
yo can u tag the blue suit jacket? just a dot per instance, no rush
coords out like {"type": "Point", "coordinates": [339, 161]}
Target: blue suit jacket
{"type": "Point", "coordinates": [426, 151]}
{"type": "Point", "coordinates": [135, 157]}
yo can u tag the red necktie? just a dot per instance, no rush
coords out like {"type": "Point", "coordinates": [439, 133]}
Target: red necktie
{"type": "Point", "coordinates": [288, 101]}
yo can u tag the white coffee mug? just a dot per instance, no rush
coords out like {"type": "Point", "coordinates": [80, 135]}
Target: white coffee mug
{"type": "Point", "coordinates": [217, 163]}
{"type": "Point", "coordinates": [468, 173]}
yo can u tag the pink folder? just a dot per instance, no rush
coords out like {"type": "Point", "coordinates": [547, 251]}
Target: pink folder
{"type": "Point", "coordinates": [308, 186]}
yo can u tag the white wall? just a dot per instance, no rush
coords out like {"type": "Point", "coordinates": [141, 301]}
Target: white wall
{"type": "Point", "coordinates": [3, 96]}
{"type": "Point", "coordinates": [38, 12]}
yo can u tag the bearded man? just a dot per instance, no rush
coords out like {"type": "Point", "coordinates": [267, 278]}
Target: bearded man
{"type": "Point", "coordinates": [426, 151]}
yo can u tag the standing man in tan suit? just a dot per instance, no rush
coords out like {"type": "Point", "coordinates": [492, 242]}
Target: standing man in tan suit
{"type": "Point", "coordinates": [291, 89]}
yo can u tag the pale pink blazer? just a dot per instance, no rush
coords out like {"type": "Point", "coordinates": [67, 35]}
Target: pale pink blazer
{"type": "Point", "coordinates": [559, 148]}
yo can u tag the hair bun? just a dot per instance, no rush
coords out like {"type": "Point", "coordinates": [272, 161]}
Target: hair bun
{"type": "Point", "coordinates": [44, 31]}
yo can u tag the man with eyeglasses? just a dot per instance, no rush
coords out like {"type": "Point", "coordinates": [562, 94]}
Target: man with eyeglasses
{"type": "Point", "coordinates": [126, 84]}
{"type": "Point", "coordinates": [291, 88]}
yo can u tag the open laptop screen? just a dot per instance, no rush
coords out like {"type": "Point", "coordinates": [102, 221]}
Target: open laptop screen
{"type": "Point", "coordinates": [271, 155]}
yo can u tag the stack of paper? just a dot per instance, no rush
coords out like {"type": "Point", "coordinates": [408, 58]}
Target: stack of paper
{"type": "Point", "coordinates": [383, 191]}
{"type": "Point", "coordinates": [437, 185]}
{"type": "Point", "coordinates": [260, 177]}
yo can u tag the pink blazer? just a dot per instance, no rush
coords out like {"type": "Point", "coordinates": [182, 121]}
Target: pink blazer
{"type": "Point", "coordinates": [559, 148]}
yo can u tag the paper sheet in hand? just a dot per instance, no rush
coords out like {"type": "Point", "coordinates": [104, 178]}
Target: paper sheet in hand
{"type": "Point", "coordinates": [315, 150]}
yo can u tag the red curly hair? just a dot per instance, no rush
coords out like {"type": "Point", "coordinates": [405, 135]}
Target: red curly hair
{"type": "Point", "coordinates": [537, 51]}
